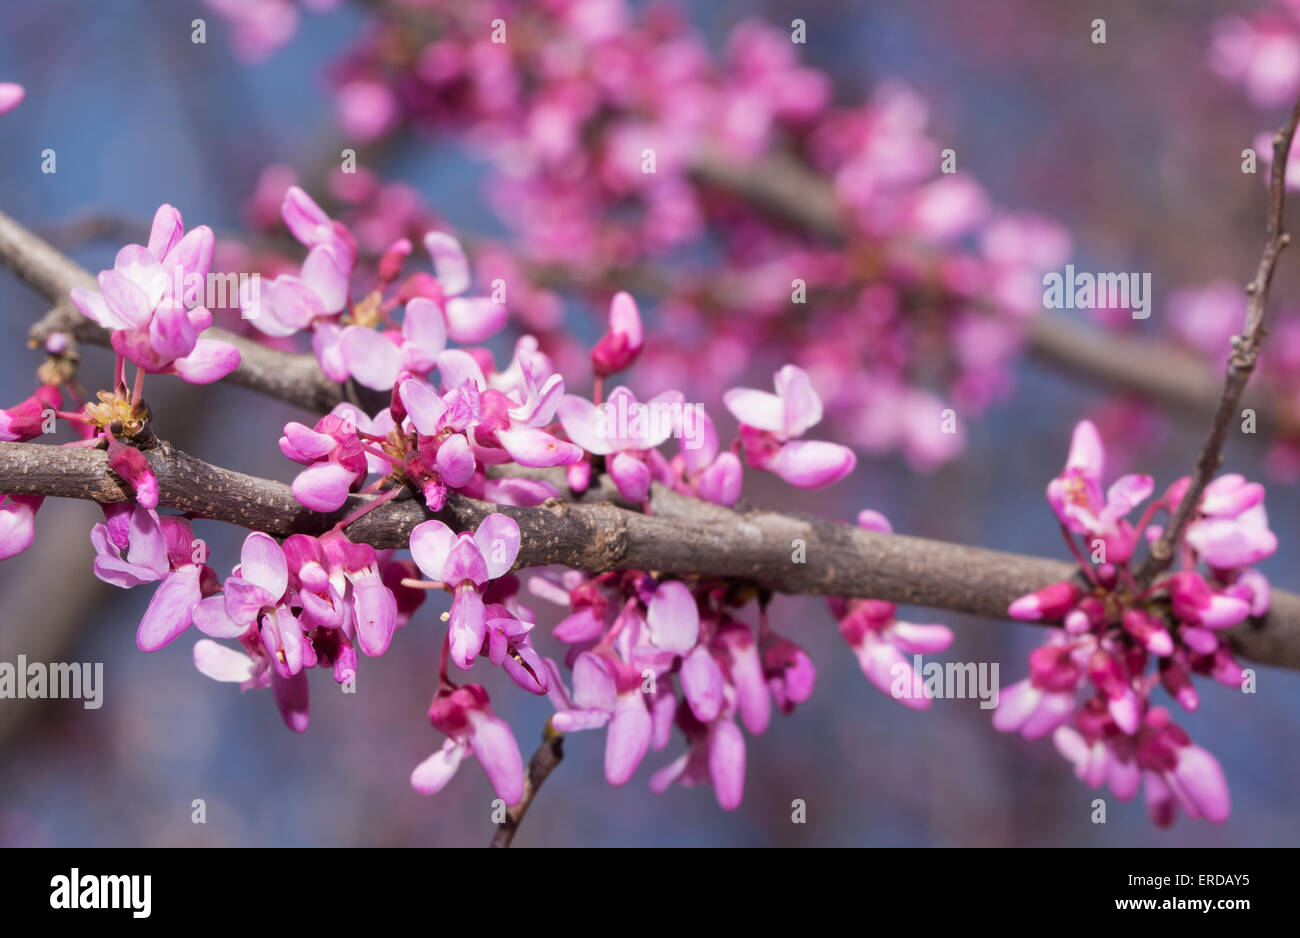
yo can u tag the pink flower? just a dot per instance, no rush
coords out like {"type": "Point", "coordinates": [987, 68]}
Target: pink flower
{"type": "Point", "coordinates": [626, 432]}
{"type": "Point", "coordinates": [882, 643]}
{"type": "Point", "coordinates": [334, 455]}
{"type": "Point", "coordinates": [26, 421]}
{"type": "Point", "coordinates": [606, 691]}
{"type": "Point", "coordinates": [470, 320]}
{"type": "Point", "coordinates": [789, 672]}
{"type": "Point", "coordinates": [1039, 704]}
{"type": "Point", "coordinates": [464, 564]}
{"type": "Point", "coordinates": [466, 716]}
{"type": "Point", "coordinates": [715, 755]}
{"type": "Point", "coordinates": [1263, 55]}
{"type": "Point", "coordinates": [619, 347]}
{"type": "Point", "coordinates": [11, 95]}
{"type": "Point", "coordinates": [1075, 496]}
{"type": "Point", "coordinates": [17, 523]}
{"type": "Point", "coordinates": [713, 476]}
{"type": "Point", "coordinates": [770, 424]}
{"type": "Point", "coordinates": [144, 302]}
{"type": "Point", "coordinates": [156, 550]}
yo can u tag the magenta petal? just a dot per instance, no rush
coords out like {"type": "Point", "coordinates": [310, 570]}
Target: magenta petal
{"type": "Point", "coordinates": [721, 482]}
{"type": "Point", "coordinates": [537, 449]}
{"type": "Point", "coordinates": [11, 95]}
{"type": "Point", "coordinates": [323, 487]}
{"type": "Point", "coordinates": [455, 461]}
{"type": "Point", "coordinates": [802, 406]}
{"type": "Point", "coordinates": [584, 424]}
{"type": "Point", "coordinates": [304, 445]}
{"type": "Point", "coordinates": [370, 357]}
{"type": "Point", "coordinates": [375, 607]}
{"type": "Point", "coordinates": [582, 626]}
{"type": "Point", "coordinates": [702, 682]}
{"type": "Point", "coordinates": [471, 320]}
{"type": "Point", "coordinates": [627, 740]}
{"type": "Point", "coordinates": [468, 627]}
{"type": "Point", "coordinates": [435, 772]}
{"type": "Point", "coordinates": [448, 261]}
{"type": "Point", "coordinates": [757, 409]}
{"type": "Point", "coordinates": [498, 752]}
{"type": "Point", "coordinates": [498, 538]}
{"type": "Point", "coordinates": [673, 617]}
{"type": "Point", "coordinates": [727, 763]}
{"type": "Point", "coordinates": [168, 614]}
{"type": "Point", "coordinates": [210, 361]}
{"type": "Point", "coordinates": [211, 618]}
{"type": "Point", "coordinates": [752, 698]}
{"type": "Point", "coordinates": [424, 334]}
{"type": "Point", "coordinates": [165, 232]}
{"type": "Point", "coordinates": [593, 685]}
{"type": "Point", "coordinates": [291, 695]}
{"type": "Point", "coordinates": [431, 543]}
{"type": "Point", "coordinates": [1202, 781]}
{"type": "Point", "coordinates": [171, 333]}
{"type": "Point", "coordinates": [423, 405]}
{"type": "Point", "coordinates": [631, 476]}
{"type": "Point", "coordinates": [221, 663]}
{"type": "Point", "coordinates": [811, 464]}
{"type": "Point", "coordinates": [262, 562]}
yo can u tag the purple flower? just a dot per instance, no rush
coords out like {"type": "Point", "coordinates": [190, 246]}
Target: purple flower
{"type": "Point", "coordinates": [145, 301]}
{"type": "Point", "coordinates": [465, 564]}
{"type": "Point", "coordinates": [17, 523]}
{"type": "Point", "coordinates": [466, 716]}
{"type": "Point", "coordinates": [1075, 496]}
{"type": "Point", "coordinates": [11, 95]}
{"type": "Point", "coordinates": [156, 550]}
{"type": "Point", "coordinates": [626, 432]}
{"type": "Point", "coordinates": [771, 424]}
{"type": "Point", "coordinates": [335, 458]}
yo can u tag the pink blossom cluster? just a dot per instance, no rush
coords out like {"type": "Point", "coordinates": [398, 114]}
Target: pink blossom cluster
{"type": "Point", "coordinates": [921, 313]}
{"type": "Point", "coordinates": [1121, 640]}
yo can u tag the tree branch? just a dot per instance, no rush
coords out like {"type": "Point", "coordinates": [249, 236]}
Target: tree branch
{"type": "Point", "coordinates": [544, 760]}
{"type": "Point", "coordinates": [1241, 363]}
{"type": "Point", "coordinates": [681, 535]}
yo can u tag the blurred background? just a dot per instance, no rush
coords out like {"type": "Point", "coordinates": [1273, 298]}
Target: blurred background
{"type": "Point", "coordinates": [1133, 147]}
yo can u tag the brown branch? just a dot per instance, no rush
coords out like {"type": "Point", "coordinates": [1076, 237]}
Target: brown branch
{"type": "Point", "coordinates": [1241, 363]}
{"type": "Point", "coordinates": [544, 760]}
{"type": "Point", "coordinates": [295, 378]}
{"type": "Point", "coordinates": [681, 535]}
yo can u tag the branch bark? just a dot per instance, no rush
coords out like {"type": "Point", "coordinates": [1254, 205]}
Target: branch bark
{"type": "Point", "coordinates": [1241, 363]}
{"type": "Point", "coordinates": [544, 760]}
{"type": "Point", "coordinates": [680, 535]}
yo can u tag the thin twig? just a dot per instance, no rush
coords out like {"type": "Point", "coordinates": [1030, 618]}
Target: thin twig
{"type": "Point", "coordinates": [543, 762]}
{"type": "Point", "coordinates": [1241, 363]}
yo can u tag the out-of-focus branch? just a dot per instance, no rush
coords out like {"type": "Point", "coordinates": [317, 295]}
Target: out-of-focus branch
{"type": "Point", "coordinates": [544, 760]}
{"type": "Point", "coordinates": [1241, 363]}
{"type": "Point", "coordinates": [790, 192]}
{"type": "Point", "coordinates": [680, 535]}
